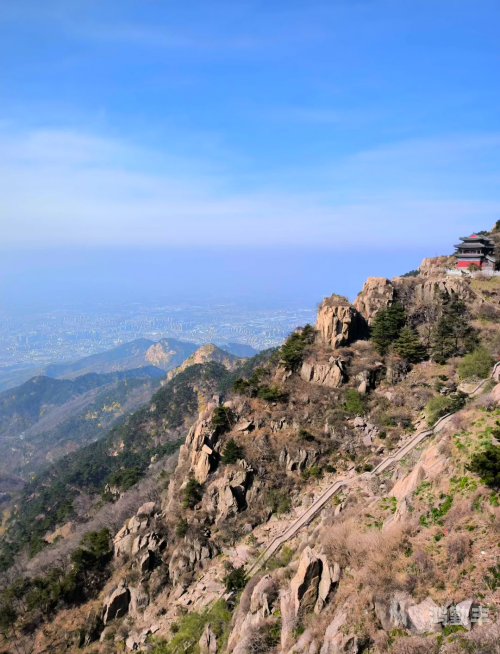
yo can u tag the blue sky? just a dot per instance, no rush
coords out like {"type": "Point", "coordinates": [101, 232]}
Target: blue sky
{"type": "Point", "coordinates": [334, 124]}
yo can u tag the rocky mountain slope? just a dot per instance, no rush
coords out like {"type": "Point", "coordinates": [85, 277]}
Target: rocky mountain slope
{"type": "Point", "coordinates": [339, 495]}
{"type": "Point", "coordinates": [166, 354]}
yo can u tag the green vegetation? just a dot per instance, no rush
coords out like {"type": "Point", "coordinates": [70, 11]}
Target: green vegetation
{"type": "Point", "coordinates": [436, 514]}
{"type": "Point", "coordinates": [411, 273]}
{"type": "Point", "coordinates": [235, 579]}
{"type": "Point", "coordinates": [182, 528]}
{"type": "Point", "coordinates": [128, 447]}
{"type": "Point", "coordinates": [292, 350]}
{"type": "Point", "coordinates": [222, 419]}
{"type": "Point", "coordinates": [486, 464]}
{"type": "Point", "coordinates": [387, 327]}
{"type": "Point", "coordinates": [353, 402]}
{"type": "Point", "coordinates": [232, 453]}
{"type": "Point", "coordinates": [191, 495]}
{"type": "Point", "coordinates": [278, 501]}
{"type": "Point", "coordinates": [492, 577]}
{"type": "Point", "coordinates": [189, 629]}
{"type": "Point", "coordinates": [453, 334]}
{"type": "Point", "coordinates": [409, 346]}
{"type": "Point", "coordinates": [476, 364]}
{"type": "Point", "coordinates": [270, 393]}
{"type": "Point", "coordinates": [440, 405]}
{"type": "Point", "coordinates": [30, 600]}
{"type": "Point", "coordinates": [124, 479]}
{"type": "Point", "coordinates": [305, 435]}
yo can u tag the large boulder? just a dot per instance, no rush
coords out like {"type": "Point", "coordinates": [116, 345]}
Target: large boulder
{"type": "Point", "coordinates": [338, 322]}
{"type": "Point", "coordinates": [226, 496]}
{"type": "Point", "coordinates": [117, 604]}
{"type": "Point", "coordinates": [393, 612]}
{"type": "Point", "coordinates": [336, 641]}
{"type": "Point", "coordinates": [305, 584]}
{"type": "Point", "coordinates": [377, 293]}
{"type": "Point", "coordinates": [331, 374]}
{"type": "Point", "coordinates": [208, 641]}
{"type": "Point", "coordinates": [423, 617]}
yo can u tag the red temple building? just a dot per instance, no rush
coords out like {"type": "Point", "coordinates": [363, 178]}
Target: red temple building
{"type": "Point", "coordinates": [476, 250]}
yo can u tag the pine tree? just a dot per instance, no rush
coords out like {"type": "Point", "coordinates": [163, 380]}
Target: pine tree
{"type": "Point", "coordinates": [408, 345]}
{"type": "Point", "coordinates": [453, 335]}
{"type": "Point", "coordinates": [232, 452]}
{"type": "Point", "coordinates": [387, 326]}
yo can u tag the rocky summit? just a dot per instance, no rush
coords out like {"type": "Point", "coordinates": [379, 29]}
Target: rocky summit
{"type": "Point", "coordinates": [338, 494]}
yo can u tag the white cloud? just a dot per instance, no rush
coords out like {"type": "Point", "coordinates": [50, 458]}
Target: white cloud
{"type": "Point", "coordinates": [61, 188]}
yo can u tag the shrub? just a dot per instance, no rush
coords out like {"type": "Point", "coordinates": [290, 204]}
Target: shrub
{"type": "Point", "coordinates": [232, 452]}
{"type": "Point", "coordinates": [314, 472]}
{"type": "Point", "coordinates": [192, 494]}
{"type": "Point", "coordinates": [270, 393]}
{"type": "Point", "coordinates": [240, 386]}
{"type": "Point", "coordinates": [124, 479]}
{"type": "Point", "coordinates": [181, 528]}
{"type": "Point", "coordinates": [235, 579]}
{"type": "Point", "coordinates": [278, 501]}
{"type": "Point", "coordinates": [487, 465]}
{"type": "Point", "coordinates": [353, 402]}
{"type": "Point", "coordinates": [305, 435]}
{"type": "Point", "coordinates": [189, 628]}
{"type": "Point", "coordinates": [476, 364]}
{"type": "Point", "coordinates": [439, 406]}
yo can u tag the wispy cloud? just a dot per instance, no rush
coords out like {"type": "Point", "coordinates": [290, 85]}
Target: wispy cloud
{"type": "Point", "coordinates": [70, 188]}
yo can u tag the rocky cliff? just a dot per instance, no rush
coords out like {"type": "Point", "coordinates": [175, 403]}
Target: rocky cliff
{"type": "Point", "coordinates": [313, 508]}
{"type": "Point", "coordinates": [339, 323]}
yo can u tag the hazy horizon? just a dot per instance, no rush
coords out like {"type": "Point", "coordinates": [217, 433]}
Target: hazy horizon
{"type": "Point", "coordinates": [253, 277]}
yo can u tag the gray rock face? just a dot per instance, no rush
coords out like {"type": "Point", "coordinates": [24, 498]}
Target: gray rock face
{"type": "Point", "coordinates": [225, 497]}
{"type": "Point", "coordinates": [421, 617]}
{"type": "Point", "coordinates": [146, 510]}
{"type": "Point", "coordinates": [331, 374]}
{"type": "Point", "coordinates": [393, 613]}
{"type": "Point", "coordinates": [139, 600]}
{"type": "Point", "coordinates": [338, 322]}
{"type": "Point", "coordinates": [117, 604]}
{"type": "Point", "coordinates": [335, 641]}
{"type": "Point", "coordinates": [298, 459]}
{"type": "Point", "coordinates": [305, 584]}
{"type": "Point", "coordinates": [208, 641]}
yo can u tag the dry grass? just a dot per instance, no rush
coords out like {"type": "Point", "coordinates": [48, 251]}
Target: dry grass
{"type": "Point", "coordinates": [374, 555]}
{"type": "Point", "coordinates": [415, 645]}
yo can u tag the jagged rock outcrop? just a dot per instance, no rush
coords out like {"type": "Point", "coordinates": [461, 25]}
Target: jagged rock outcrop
{"type": "Point", "coordinates": [338, 322]}
{"type": "Point", "coordinates": [208, 641]}
{"type": "Point", "coordinates": [117, 604]}
{"type": "Point", "coordinates": [413, 292]}
{"type": "Point", "coordinates": [187, 556]}
{"type": "Point", "coordinates": [297, 460]}
{"type": "Point", "coordinates": [205, 354]}
{"type": "Point", "coordinates": [366, 429]}
{"type": "Point", "coordinates": [305, 584]}
{"type": "Point", "coordinates": [377, 293]}
{"type": "Point", "coordinates": [331, 374]}
{"type": "Point", "coordinates": [257, 604]}
{"type": "Point", "coordinates": [336, 641]}
{"type": "Point", "coordinates": [225, 497]}
{"type": "Point", "coordinates": [401, 612]}
{"type": "Point", "coordinates": [201, 448]}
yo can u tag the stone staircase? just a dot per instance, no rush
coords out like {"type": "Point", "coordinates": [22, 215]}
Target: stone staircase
{"type": "Point", "coordinates": [344, 482]}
